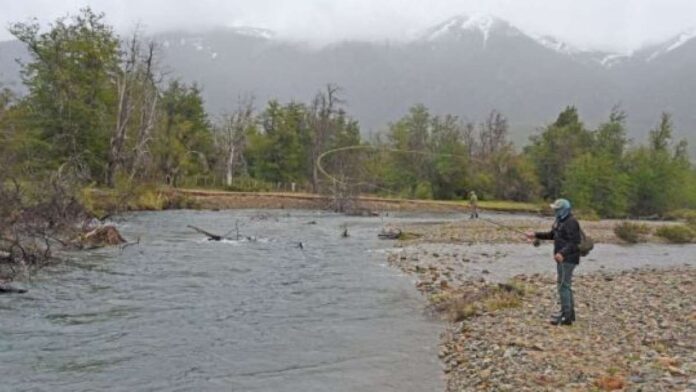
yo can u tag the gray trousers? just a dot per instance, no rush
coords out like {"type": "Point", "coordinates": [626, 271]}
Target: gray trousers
{"type": "Point", "coordinates": [564, 283]}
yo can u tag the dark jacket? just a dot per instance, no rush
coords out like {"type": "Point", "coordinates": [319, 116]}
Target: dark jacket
{"type": "Point", "coordinates": [566, 238]}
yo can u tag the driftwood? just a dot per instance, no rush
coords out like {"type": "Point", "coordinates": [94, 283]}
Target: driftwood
{"type": "Point", "coordinates": [101, 236]}
{"type": "Point", "coordinates": [5, 289]}
{"type": "Point", "coordinates": [211, 236]}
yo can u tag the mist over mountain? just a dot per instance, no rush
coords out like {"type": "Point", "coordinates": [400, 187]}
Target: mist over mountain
{"type": "Point", "coordinates": [466, 65]}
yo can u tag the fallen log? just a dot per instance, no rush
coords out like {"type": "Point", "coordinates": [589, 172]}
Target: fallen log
{"type": "Point", "coordinates": [211, 236]}
{"type": "Point", "coordinates": [5, 289]}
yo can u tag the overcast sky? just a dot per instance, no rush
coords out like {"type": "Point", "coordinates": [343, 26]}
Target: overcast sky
{"type": "Point", "coordinates": [617, 25]}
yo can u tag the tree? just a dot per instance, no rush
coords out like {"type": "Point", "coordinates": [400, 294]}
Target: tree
{"type": "Point", "coordinates": [71, 95]}
{"type": "Point", "coordinates": [557, 146]}
{"type": "Point", "coordinates": [593, 182]}
{"type": "Point", "coordinates": [233, 137]}
{"type": "Point", "coordinates": [660, 178]}
{"type": "Point", "coordinates": [184, 141]}
{"type": "Point", "coordinates": [136, 113]}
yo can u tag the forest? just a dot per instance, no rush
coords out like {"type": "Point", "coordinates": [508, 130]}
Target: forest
{"type": "Point", "coordinates": [101, 112]}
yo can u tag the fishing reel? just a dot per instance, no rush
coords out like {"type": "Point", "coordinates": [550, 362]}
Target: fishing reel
{"type": "Point", "coordinates": [536, 243]}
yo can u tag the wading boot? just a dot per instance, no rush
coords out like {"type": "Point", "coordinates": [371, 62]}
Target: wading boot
{"type": "Point", "coordinates": [559, 314]}
{"type": "Point", "coordinates": [562, 320]}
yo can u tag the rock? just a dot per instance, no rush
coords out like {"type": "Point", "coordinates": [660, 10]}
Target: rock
{"type": "Point", "coordinates": [676, 371]}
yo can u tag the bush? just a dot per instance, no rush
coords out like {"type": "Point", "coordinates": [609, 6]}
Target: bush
{"type": "Point", "coordinates": [686, 214]}
{"type": "Point", "coordinates": [423, 191]}
{"type": "Point", "coordinates": [689, 216]}
{"type": "Point", "coordinates": [632, 233]}
{"type": "Point", "coordinates": [587, 215]}
{"type": "Point", "coordinates": [677, 234]}
{"type": "Point", "coordinates": [179, 201]}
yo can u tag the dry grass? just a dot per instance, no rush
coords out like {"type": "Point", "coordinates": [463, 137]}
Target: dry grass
{"type": "Point", "coordinates": [632, 233]}
{"type": "Point", "coordinates": [464, 303]}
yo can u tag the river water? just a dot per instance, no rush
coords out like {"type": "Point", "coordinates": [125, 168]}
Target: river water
{"type": "Point", "coordinates": [180, 313]}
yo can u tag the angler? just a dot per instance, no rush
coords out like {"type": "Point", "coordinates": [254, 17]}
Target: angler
{"type": "Point", "coordinates": [567, 238]}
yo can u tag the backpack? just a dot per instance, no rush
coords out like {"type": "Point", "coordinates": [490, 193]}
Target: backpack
{"type": "Point", "coordinates": [586, 244]}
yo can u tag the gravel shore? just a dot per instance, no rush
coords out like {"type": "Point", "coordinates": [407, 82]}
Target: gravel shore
{"type": "Point", "coordinates": [636, 328]}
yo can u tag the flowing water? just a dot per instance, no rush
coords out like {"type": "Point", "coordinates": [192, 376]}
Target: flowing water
{"type": "Point", "coordinates": [180, 313]}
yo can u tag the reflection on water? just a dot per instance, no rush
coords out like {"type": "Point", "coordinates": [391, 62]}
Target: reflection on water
{"type": "Point", "coordinates": [180, 313]}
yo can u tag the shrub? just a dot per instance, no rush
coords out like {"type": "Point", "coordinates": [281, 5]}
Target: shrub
{"type": "Point", "coordinates": [630, 232]}
{"type": "Point", "coordinates": [147, 199]}
{"type": "Point", "coordinates": [685, 214]}
{"type": "Point", "coordinates": [587, 214]}
{"type": "Point", "coordinates": [423, 191]}
{"type": "Point", "coordinates": [677, 234]}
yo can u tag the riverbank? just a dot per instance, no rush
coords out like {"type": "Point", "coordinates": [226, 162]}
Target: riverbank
{"type": "Point", "coordinates": [493, 229]}
{"type": "Point", "coordinates": [636, 327]}
{"type": "Point", "coordinates": [207, 199]}
{"type": "Point", "coordinates": [237, 200]}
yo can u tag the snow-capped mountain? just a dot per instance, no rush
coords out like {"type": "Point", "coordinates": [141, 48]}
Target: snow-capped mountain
{"type": "Point", "coordinates": [463, 25]}
{"type": "Point", "coordinates": [484, 25]}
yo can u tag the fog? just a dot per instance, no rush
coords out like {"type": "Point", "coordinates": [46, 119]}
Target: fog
{"type": "Point", "coordinates": [618, 25]}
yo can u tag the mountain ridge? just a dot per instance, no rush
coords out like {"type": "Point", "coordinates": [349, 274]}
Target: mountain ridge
{"type": "Point", "coordinates": [465, 65]}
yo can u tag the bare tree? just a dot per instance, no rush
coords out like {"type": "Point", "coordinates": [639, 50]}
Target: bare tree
{"type": "Point", "coordinates": [320, 117]}
{"type": "Point", "coordinates": [233, 136]}
{"type": "Point", "coordinates": [148, 109]}
{"type": "Point", "coordinates": [138, 96]}
{"type": "Point", "coordinates": [493, 134]}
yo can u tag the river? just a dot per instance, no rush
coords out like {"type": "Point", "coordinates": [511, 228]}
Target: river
{"type": "Point", "coordinates": [179, 313]}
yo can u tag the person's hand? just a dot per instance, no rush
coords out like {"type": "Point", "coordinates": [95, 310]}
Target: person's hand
{"type": "Point", "coordinates": [530, 235]}
{"type": "Point", "coordinates": [558, 257]}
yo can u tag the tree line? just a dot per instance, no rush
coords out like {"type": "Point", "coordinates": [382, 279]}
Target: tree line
{"type": "Point", "coordinates": [101, 108]}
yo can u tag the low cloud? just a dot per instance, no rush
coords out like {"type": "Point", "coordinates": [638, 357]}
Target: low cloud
{"type": "Point", "coordinates": [617, 25]}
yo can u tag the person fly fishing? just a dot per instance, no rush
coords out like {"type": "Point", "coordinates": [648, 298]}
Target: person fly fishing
{"type": "Point", "coordinates": [567, 236]}
{"type": "Point", "coordinates": [473, 205]}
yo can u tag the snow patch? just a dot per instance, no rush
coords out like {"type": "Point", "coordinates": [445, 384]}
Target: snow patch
{"type": "Point", "coordinates": [556, 45]}
{"type": "Point", "coordinates": [254, 32]}
{"type": "Point", "coordinates": [682, 39]}
{"type": "Point", "coordinates": [481, 23]}
{"type": "Point", "coordinates": [613, 59]}
{"type": "Point", "coordinates": [675, 43]}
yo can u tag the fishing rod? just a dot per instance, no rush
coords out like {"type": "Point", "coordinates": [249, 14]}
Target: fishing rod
{"type": "Point", "coordinates": [536, 242]}
{"type": "Point", "coordinates": [323, 155]}
{"type": "Point", "coordinates": [335, 180]}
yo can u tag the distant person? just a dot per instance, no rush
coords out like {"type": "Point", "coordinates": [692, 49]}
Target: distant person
{"type": "Point", "coordinates": [566, 237]}
{"type": "Point", "coordinates": [473, 205]}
